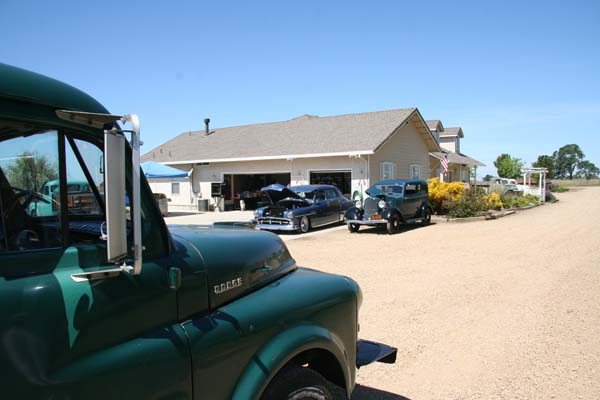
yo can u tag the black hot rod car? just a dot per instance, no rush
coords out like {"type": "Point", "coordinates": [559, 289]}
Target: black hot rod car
{"type": "Point", "coordinates": [392, 202]}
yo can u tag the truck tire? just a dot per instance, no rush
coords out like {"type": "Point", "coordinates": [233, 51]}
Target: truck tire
{"type": "Point", "coordinates": [304, 225]}
{"type": "Point", "coordinates": [298, 383]}
{"type": "Point", "coordinates": [353, 227]}
{"type": "Point", "coordinates": [393, 225]}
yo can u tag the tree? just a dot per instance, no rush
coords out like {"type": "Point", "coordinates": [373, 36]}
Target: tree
{"type": "Point", "coordinates": [547, 162]}
{"type": "Point", "coordinates": [487, 178]}
{"type": "Point", "coordinates": [587, 170]}
{"type": "Point", "coordinates": [31, 170]}
{"type": "Point", "coordinates": [508, 166]}
{"type": "Point", "coordinates": [567, 158]}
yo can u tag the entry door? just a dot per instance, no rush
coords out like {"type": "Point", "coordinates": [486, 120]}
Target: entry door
{"type": "Point", "coordinates": [412, 200]}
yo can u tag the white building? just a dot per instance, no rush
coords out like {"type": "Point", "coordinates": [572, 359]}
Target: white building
{"type": "Point", "coordinates": [351, 151]}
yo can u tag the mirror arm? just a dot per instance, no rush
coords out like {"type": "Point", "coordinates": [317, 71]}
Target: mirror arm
{"type": "Point", "coordinates": [137, 214]}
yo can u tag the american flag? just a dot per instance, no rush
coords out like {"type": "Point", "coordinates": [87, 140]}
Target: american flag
{"type": "Point", "coordinates": [444, 162]}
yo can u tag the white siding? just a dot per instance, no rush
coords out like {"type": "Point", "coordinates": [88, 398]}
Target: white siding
{"type": "Point", "coordinates": [299, 170]}
{"type": "Point", "coordinates": [405, 147]}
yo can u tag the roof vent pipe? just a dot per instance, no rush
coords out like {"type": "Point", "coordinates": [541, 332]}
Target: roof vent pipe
{"type": "Point", "coordinates": [206, 122]}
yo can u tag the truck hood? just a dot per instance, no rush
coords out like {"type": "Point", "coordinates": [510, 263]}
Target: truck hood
{"type": "Point", "coordinates": [238, 260]}
{"type": "Point", "coordinates": [279, 194]}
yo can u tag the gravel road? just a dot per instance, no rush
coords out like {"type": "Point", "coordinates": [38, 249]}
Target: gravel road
{"type": "Point", "coordinates": [503, 309]}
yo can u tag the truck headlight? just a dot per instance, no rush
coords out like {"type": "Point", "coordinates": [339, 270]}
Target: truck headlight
{"type": "Point", "coordinates": [357, 203]}
{"type": "Point", "coordinates": [290, 214]}
{"type": "Point", "coordinates": [381, 204]}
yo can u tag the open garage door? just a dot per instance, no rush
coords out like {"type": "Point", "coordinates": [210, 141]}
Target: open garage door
{"type": "Point", "coordinates": [247, 187]}
{"type": "Point", "coordinates": [341, 179]}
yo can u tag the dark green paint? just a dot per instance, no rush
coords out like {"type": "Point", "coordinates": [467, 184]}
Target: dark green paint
{"type": "Point", "coordinates": [165, 334]}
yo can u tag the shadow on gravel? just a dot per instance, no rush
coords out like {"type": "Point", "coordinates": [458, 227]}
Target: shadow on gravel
{"type": "Point", "coordinates": [380, 230]}
{"type": "Point", "coordinates": [367, 393]}
{"type": "Point", "coordinates": [183, 213]}
{"type": "Point", "coordinates": [320, 228]}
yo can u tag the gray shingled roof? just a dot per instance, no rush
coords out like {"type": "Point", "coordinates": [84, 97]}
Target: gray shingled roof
{"type": "Point", "coordinates": [457, 158]}
{"type": "Point", "coordinates": [305, 135]}
{"type": "Point", "coordinates": [434, 124]}
{"type": "Point", "coordinates": [453, 132]}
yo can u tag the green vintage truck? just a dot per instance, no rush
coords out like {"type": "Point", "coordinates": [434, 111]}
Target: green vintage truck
{"type": "Point", "coordinates": [113, 304]}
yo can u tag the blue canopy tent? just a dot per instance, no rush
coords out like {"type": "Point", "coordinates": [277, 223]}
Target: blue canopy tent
{"type": "Point", "coordinates": [153, 169]}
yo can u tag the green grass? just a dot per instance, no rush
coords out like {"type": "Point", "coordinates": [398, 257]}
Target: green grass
{"type": "Point", "coordinates": [575, 182]}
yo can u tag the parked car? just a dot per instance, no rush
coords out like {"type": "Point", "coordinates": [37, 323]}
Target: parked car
{"type": "Point", "coordinates": [392, 203]}
{"type": "Point", "coordinates": [163, 203]}
{"type": "Point", "coordinates": [299, 208]}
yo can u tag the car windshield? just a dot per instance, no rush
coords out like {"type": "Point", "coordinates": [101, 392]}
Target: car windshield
{"type": "Point", "coordinates": [306, 195]}
{"type": "Point", "coordinates": [389, 189]}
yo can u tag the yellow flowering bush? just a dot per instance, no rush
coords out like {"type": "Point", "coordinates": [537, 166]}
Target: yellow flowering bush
{"type": "Point", "coordinates": [440, 193]}
{"type": "Point", "coordinates": [493, 201]}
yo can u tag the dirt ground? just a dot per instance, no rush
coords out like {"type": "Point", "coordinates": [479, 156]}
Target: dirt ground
{"type": "Point", "coordinates": [502, 309]}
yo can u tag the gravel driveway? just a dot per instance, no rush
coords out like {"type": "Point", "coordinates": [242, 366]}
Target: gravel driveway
{"type": "Point", "coordinates": [503, 309]}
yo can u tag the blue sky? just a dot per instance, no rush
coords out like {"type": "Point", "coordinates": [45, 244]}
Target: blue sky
{"type": "Point", "coordinates": [519, 77]}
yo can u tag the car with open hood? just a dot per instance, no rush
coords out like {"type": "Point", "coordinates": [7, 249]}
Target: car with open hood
{"type": "Point", "coordinates": [392, 203]}
{"type": "Point", "coordinates": [300, 208]}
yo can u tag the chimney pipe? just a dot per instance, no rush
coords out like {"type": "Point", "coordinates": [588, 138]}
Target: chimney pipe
{"type": "Point", "coordinates": [206, 122]}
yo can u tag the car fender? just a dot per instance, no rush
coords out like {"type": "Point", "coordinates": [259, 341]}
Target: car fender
{"type": "Point", "coordinates": [392, 213]}
{"type": "Point", "coordinates": [353, 213]}
{"type": "Point", "coordinates": [425, 205]}
{"type": "Point", "coordinates": [275, 354]}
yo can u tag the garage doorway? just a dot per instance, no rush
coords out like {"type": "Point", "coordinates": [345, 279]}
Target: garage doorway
{"type": "Point", "coordinates": [341, 179]}
{"type": "Point", "coordinates": [247, 187]}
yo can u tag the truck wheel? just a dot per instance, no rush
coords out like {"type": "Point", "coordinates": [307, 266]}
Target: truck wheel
{"type": "Point", "coordinates": [353, 227]}
{"type": "Point", "coordinates": [304, 225]}
{"type": "Point", "coordinates": [298, 383]}
{"type": "Point", "coordinates": [426, 217]}
{"type": "Point", "coordinates": [393, 225]}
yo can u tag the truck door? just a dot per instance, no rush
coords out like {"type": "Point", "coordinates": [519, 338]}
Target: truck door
{"type": "Point", "coordinates": [115, 337]}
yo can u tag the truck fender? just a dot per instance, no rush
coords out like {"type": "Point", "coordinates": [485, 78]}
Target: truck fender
{"type": "Point", "coordinates": [275, 354]}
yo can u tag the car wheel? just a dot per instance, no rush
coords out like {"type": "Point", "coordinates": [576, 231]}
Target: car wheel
{"type": "Point", "coordinates": [426, 217]}
{"type": "Point", "coordinates": [393, 225]}
{"type": "Point", "coordinates": [299, 383]}
{"type": "Point", "coordinates": [353, 227]}
{"type": "Point", "coordinates": [304, 225]}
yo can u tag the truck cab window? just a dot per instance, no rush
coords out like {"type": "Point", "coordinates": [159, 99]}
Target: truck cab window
{"type": "Point", "coordinates": [29, 201]}
{"type": "Point", "coordinates": [81, 199]}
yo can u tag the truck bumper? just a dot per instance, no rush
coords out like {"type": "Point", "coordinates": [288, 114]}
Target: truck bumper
{"type": "Point", "coordinates": [366, 221]}
{"type": "Point", "coordinates": [368, 352]}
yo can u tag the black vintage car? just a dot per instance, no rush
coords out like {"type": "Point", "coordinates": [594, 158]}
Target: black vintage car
{"type": "Point", "coordinates": [391, 203]}
{"type": "Point", "coordinates": [299, 208]}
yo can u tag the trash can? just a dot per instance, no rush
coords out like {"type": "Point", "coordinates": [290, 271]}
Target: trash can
{"type": "Point", "coordinates": [203, 205]}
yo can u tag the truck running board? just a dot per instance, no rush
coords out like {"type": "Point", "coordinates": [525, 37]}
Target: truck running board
{"type": "Point", "coordinates": [368, 352]}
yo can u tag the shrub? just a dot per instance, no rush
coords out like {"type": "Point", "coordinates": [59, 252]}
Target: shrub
{"type": "Point", "coordinates": [441, 193]}
{"type": "Point", "coordinates": [469, 205]}
{"type": "Point", "coordinates": [493, 201]}
{"type": "Point", "coordinates": [512, 201]}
